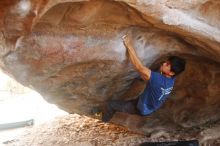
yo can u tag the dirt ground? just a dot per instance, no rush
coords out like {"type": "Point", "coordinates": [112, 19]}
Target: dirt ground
{"type": "Point", "coordinates": [76, 130]}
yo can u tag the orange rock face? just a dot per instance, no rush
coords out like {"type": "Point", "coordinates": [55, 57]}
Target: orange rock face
{"type": "Point", "coordinates": [72, 52]}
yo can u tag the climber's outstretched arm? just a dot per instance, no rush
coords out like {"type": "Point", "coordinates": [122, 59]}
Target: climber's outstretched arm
{"type": "Point", "coordinates": [143, 71]}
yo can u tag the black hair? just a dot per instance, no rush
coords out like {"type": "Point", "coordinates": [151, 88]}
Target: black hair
{"type": "Point", "coordinates": [177, 64]}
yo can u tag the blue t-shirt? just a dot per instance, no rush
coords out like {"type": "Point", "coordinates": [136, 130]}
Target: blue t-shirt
{"type": "Point", "coordinates": [155, 93]}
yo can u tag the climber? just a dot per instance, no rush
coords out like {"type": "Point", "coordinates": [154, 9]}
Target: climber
{"type": "Point", "coordinates": [160, 85]}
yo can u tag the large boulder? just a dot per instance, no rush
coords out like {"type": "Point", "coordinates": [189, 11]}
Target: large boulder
{"type": "Point", "coordinates": [72, 53]}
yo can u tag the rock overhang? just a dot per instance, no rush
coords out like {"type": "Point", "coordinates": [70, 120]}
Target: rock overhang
{"type": "Point", "coordinates": [72, 51]}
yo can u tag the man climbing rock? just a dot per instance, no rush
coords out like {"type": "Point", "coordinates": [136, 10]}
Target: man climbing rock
{"type": "Point", "coordinates": [159, 86]}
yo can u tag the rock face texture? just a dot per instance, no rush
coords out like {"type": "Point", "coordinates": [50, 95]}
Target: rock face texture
{"type": "Point", "coordinates": [71, 52]}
